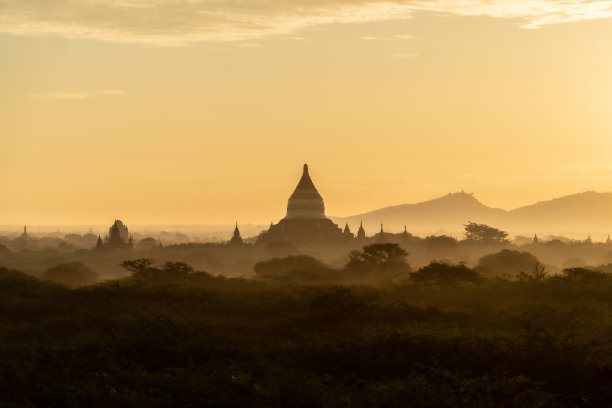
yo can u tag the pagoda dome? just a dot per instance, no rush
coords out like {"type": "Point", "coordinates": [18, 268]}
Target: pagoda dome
{"type": "Point", "coordinates": [305, 202]}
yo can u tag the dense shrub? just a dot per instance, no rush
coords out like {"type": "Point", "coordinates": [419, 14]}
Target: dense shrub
{"type": "Point", "coordinates": [219, 342]}
{"type": "Point", "coordinates": [380, 261]}
{"type": "Point", "coordinates": [300, 267]}
{"type": "Point", "coordinates": [71, 274]}
{"type": "Point", "coordinates": [444, 274]}
{"type": "Point", "coordinates": [506, 263]}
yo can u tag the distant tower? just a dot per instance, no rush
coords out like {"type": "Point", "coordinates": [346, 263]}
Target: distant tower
{"type": "Point", "coordinates": [236, 239]}
{"type": "Point", "coordinates": [160, 243]}
{"type": "Point", "coordinates": [380, 237]}
{"type": "Point", "coordinates": [608, 241]}
{"type": "Point", "coordinates": [25, 231]}
{"type": "Point", "coordinates": [535, 239]}
{"type": "Point", "coordinates": [99, 244]}
{"type": "Point", "coordinates": [114, 236]}
{"type": "Point", "coordinates": [118, 238]}
{"type": "Point", "coordinates": [347, 231]}
{"type": "Point", "coordinates": [589, 240]}
{"type": "Point", "coordinates": [119, 232]}
{"type": "Point", "coordinates": [361, 232]}
{"type": "Point", "coordinates": [405, 234]}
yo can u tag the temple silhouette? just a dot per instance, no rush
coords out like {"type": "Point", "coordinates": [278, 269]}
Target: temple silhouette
{"type": "Point", "coordinates": [118, 238]}
{"type": "Point", "coordinates": [236, 238]}
{"type": "Point", "coordinates": [305, 221]}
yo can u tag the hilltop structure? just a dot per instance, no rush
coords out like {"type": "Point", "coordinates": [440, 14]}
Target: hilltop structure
{"type": "Point", "coordinates": [305, 221]}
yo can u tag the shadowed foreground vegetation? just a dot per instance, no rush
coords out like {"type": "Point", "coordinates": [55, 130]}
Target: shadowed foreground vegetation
{"type": "Point", "coordinates": [175, 337]}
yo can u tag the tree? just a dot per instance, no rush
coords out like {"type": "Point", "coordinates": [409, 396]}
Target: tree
{"type": "Point", "coordinates": [506, 262]}
{"type": "Point", "coordinates": [137, 265]}
{"type": "Point", "coordinates": [384, 258]}
{"type": "Point", "coordinates": [444, 274]}
{"type": "Point", "coordinates": [71, 274]}
{"type": "Point", "coordinates": [142, 269]}
{"type": "Point", "coordinates": [537, 274]}
{"type": "Point", "coordinates": [442, 242]}
{"type": "Point", "coordinates": [293, 267]}
{"type": "Point", "coordinates": [484, 233]}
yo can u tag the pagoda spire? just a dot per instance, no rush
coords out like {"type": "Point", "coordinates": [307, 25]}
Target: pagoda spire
{"type": "Point", "coordinates": [305, 202]}
{"type": "Point", "coordinates": [236, 239]}
{"type": "Point", "coordinates": [361, 232]}
{"type": "Point", "coordinates": [99, 243]}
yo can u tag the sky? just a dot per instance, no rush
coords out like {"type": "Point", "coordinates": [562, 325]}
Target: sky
{"type": "Point", "coordinates": [204, 111]}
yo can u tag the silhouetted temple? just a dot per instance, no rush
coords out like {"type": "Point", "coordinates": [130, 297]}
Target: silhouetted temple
{"type": "Point", "coordinates": [305, 221]}
{"type": "Point", "coordinates": [347, 231]}
{"type": "Point", "coordinates": [236, 238]}
{"type": "Point", "coordinates": [361, 235]}
{"type": "Point", "coordinates": [118, 238]}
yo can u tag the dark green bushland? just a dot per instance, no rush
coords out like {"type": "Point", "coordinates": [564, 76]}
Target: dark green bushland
{"type": "Point", "coordinates": [179, 338]}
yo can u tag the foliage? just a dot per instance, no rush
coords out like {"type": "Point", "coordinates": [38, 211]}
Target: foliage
{"type": "Point", "coordinates": [385, 259]}
{"type": "Point", "coordinates": [506, 263]}
{"type": "Point", "coordinates": [300, 267]}
{"type": "Point", "coordinates": [219, 342]}
{"type": "Point", "coordinates": [137, 265]}
{"type": "Point", "coordinates": [441, 242]}
{"type": "Point", "coordinates": [71, 274]}
{"type": "Point", "coordinates": [485, 233]}
{"type": "Point", "coordinates": [585, 275]}
{"type": "Point", "coordinates": [538, 273]}
{"type": "Point", "coordinates": [141, 269]}
{"type": "Point", "coordinates": [444, 274]}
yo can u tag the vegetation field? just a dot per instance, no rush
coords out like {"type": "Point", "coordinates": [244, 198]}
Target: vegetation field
{"type": "Point", "coordinates": [182, 338]}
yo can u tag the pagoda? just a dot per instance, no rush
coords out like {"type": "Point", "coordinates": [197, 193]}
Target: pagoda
{"type": "Point", "coordinates": [118, 238]}
{"type": "Point", "coordinates": [236, 238]}
{"type": "Point", "coordinates": [305, 221]}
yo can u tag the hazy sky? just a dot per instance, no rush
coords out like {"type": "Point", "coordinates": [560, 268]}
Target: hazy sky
{"type": "Point", "coordinates": [203, 111]}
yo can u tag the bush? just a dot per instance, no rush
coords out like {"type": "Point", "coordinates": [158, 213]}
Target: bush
{"type": "Point", "coordinates": [585, 275]}
{"type": "Point", "coordinates": [506, 262]}
{"type": "Point", "coordinates": [171, 271]}
{"type": "Point", "coordinates": [71, 274]}
{"type": "Point", "coordinates": [444, 274]}
{"type": "Point", "coordinates": [381, 260]}
{"type": "Point", "coordinates": [300, 267]}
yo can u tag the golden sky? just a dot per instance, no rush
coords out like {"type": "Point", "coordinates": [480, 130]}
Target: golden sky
{"type": "Point", "coordinates": [204, 111]}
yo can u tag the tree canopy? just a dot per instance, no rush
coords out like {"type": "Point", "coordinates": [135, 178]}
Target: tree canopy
{"type": "Point", "coordinates": [485, 233]}
{"type": "Point", "coordinates": [444, 274]}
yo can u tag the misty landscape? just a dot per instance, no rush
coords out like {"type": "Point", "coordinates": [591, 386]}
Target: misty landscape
{"type": "Point", "coordinates": [309, 314]}
{"type": "Point", "coordinates": [306, 203]}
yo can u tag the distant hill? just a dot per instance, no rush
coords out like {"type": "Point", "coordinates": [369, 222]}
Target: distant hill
{"type": "Point", "coordinates": [588, 212]}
